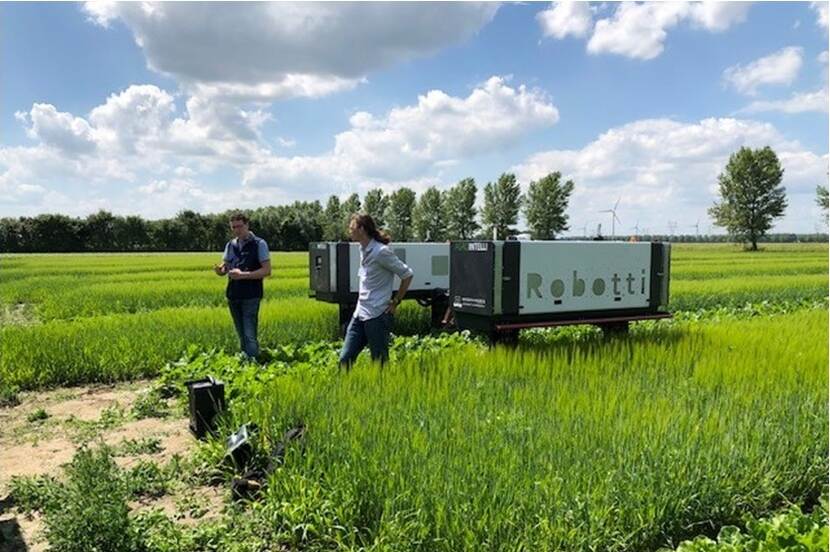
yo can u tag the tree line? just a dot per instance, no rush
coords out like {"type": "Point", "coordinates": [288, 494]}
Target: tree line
{"type": "Point", "coordinates": [750, 199]}
{"type": "Point", "coordinates": [434, 216]}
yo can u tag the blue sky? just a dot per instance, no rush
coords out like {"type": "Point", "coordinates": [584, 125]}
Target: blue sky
{"type": "Point", "coordinates": [150, 109]}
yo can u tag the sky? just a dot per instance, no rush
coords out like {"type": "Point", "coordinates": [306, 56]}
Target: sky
{"type": "Point", "coordinates": [149, 109]}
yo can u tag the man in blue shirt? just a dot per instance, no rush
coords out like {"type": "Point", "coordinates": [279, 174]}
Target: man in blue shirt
{"type": "Point", "coordinates": [246, 262]}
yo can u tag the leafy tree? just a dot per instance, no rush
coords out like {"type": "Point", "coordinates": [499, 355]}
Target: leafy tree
{"type": "Point", "coordinates": [399, 214]}
{"type": "Point", "coordinates": [349, 207]}
{"type": "Point", "coordinates": [332, 227]}
{"type": "Point", "coordinates": [821, 196]}
{"type": "Point", "coordinates": [751, 195]}
{"type": "Point", "coordinates": [547, 200]}
{"type": "Point", "coordinates": [502, 202]}
{"type": "Point", "coordinates": [168, 235]}
{"type": "Point", "coordinates": [98, 232]}
{"type": "Point", "coordinates": [460, 211]}
{"type": "Point", "coordinates": [50, 232]}
{"type": "Point", "coordinates": [428, 216]}
{"type": "Point", "coordinates": [194, 228]}
{"type": "Point", "coordinates": [132, 233]}
{"type": "Point", "coordinates": [374, 204]}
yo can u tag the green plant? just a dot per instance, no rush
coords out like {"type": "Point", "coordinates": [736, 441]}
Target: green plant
{"type": "Point", "coordinates": [37, 416]}
{"type": "Point", "coordinates": [8, 396]}
{"type": "Point", "coordinates": [150, 405]}
{"type": "Point", "coordinates": [90, 510]}
{"type": "Point", "coordinates": [33, 493]}
{"type": "Point", "coordinates": [789, 531]}
{"type": "Point", "coordinates": [145, 445]}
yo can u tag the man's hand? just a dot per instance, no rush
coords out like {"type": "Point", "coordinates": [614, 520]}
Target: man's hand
{"type": "Point", "coordinates": [220, 269]}
{"type": "Point", "coordinates": [237, 274]}
{"type": "Point", "coordinates": [392, 307]}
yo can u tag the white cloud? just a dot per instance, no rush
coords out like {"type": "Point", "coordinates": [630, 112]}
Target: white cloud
{"type": "Point", "coordinates": [665, 169]}
{"type": "Point", "coordinates": [133, 119]}
{"type": "Point", "coordinates": [821, 9]}
{"type": "Point", "coordinates": [272, 50]}
{"type": "Point", "coordinates": [780, 67]}
{"type": "Point", "coordinates": [566, 18]}
{"type": "Point", "coordinates": [639, 30]}
{"type": "Point", "coordinates": [142, 122]}
{"type": "Point", "coordinates": [410, 141]}
{"type": "Point", "coordinates": [718, 16]}
{"type": "Point", "coordinates": [798, 103]}
{"type": "Point", "coordinates": [69, 134]}
{"type": "Point", "coordinates": [141, 142]}
{"type": "Point", "coordinates": [636, 30]}
{"type": "Point", "coordinates": [135, 134]}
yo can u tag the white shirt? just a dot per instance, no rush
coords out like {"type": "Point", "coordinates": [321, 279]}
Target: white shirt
{"type": "Point", "coordinates": [378, 267]}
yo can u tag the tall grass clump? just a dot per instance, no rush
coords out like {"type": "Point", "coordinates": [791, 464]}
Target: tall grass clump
{"type": "Point", "coordinates": [596, 445]}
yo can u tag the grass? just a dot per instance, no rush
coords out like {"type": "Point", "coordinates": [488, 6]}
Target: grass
{"type": "Point", "coordinates": [575, 443]}
{"type": "Point", "coordinates": [112, 317]}
{"type": "Point", "coordinates": [597, 446]}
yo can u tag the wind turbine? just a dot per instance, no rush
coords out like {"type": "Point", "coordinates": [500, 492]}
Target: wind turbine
{"type": "Point", "coordinates": [614, 217]}
{"type": "Point", "coordinates": [672, 226]}
{"type": "Point", "coordinates": [636, 228]}
{"type": "Point", "coordinates": [696, 226]}
{"type": "Point", "coordinates": [585, 230]}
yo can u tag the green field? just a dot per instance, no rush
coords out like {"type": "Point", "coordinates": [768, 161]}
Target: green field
{"type": "Point", "coordinates": [571, 441]}
{"type": "Point", "coordinates": [119, 316]}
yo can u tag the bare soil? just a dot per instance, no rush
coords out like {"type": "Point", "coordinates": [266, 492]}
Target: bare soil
{"type": "Point", "coordinates": [33, 447]}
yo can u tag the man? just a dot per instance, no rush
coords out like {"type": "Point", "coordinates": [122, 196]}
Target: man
{"type": "Point", "coordinates": [246, 262]}
{"type": "Point", "coordinates": [373, 315]}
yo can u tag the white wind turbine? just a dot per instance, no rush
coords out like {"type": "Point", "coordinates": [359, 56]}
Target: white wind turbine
{"type": "Point", "coordinates": [614, 217]}
{"type": "Point", "coordinates": [696, 226]}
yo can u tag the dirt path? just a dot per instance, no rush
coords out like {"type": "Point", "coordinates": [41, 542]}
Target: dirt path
{"type": "Point", "coordinates": [44, 431]}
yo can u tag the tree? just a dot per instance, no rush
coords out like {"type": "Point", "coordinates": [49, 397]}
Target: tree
{"type": "Point", "coordinates": [194, 227]}
{"type": "Point", "coordinates": [219, 231]}
{"type": "Point", "coordinates": [821, 196]}
{"type": "Point", "coordinates": [502, 202]}
{"type": "Point", "coordinates": [428, 216]}
{"type": "Point", "coordinates": [98, 232]}
{"type": "Point", "coordinates": [55, 233]}
{"type": "Point", "coordinates": [460, 211]}
{"type": "Point", "coordinates": [374, 205]}
{"type": "Point", "coordinates": [168, 235]}
{"type": "Point", "coordinates": [301, 223]}
{"type": "Point", "coordinates": [399, 214]}
{"type": "Point", "coordinates": [349, 207]}
{"type": "Point", "coordinates": [132, 233]}
{"type": "Point", "coordinates": [547, 200]}
{"type": "Point", "coordinates": [751, 194]}
{"type": "Point", "coordinates": [332, 230]}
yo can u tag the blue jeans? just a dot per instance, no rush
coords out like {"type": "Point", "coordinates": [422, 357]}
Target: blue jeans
{"type": "Point", "coordinates": [245, 313]}
{"type": "Point", "coordinates": [373, 332]}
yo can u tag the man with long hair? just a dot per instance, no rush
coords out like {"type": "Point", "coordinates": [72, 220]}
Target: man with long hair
{"type": "Point", "coordinates": [375, 310]}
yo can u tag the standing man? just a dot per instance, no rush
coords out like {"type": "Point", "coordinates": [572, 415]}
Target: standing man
{"type": "Point", "coordinates": [373, 315]}
{"type": "Point", "coordinates": [246, 262]}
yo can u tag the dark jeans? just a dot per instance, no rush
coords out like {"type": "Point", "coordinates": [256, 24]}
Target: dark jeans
{"type": "Point", "coordinates": [373, 332]}
{"type": "Point", "coordinates": [245, 313]}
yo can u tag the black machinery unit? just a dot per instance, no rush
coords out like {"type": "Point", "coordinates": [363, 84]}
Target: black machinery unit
{"type": "Point", "coordinates": [207, 400]}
